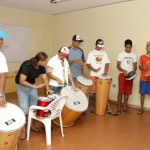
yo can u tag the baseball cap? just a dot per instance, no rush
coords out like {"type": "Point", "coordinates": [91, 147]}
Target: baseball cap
{"type": "Point", "coordinates": [77, 38]}
{"type": "Point", "coordinates": [147, 43]}
{"type": "Point", "coordinates": [64, 51]}
{"type": "Point", "coordinates": [3, 35]}
{"type": "Point", "coordinates": [99, 43]}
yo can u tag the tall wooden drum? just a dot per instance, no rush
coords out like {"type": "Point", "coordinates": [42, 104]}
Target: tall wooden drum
{"type": "Point", "coordinates": [12, 120]}
{"type": "Point", "coordinates": [102, 92]}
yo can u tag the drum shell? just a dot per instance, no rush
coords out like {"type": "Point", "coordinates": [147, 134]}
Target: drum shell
{"type": "Point", "coordinates": [11, 124]}
{"type": "Point", "coordinates": [9, 140]}
{"type": "Point", "coordinates": [84, 88]}
{"type": "Point", "coordinates": [102, 93]}
{"type": "Point", "coordinates": [42, 113]}
{"type": "Point", "coordinates": [68, 117]}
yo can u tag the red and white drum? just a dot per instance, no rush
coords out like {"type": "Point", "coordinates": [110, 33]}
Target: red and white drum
{"type": "Point", "coordinates": [44, 101]}
{"type": "Point", "coordinates": [76, 104]}
{"type": "Point", "coordinates": [84, 84]}
{"type": "Point", "coordinates": [12, 120]}
{"type": "Point", "coordinates": [102, 92]}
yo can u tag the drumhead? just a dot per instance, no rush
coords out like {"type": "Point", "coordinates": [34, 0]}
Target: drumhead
{"type": "Point", "coordinates": [104, 77]}
{"type": "Point", "coordinates": [77, 101]}
{"type": "Point", "coordinates": [11, 118]}
{"type": "Point", "coordinates": [131, 75]}
{"type": "Point", "coordinates": [84, 81]}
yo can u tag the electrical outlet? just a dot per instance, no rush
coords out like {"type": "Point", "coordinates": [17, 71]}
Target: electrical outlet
{"type": "Point", "coordinates": [114, 85]}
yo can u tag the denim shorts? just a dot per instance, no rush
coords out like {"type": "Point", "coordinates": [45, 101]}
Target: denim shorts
{"type": "Point", "coordinates": [26, 97]}
{"type": "Point", "coordinates": [56, 89]}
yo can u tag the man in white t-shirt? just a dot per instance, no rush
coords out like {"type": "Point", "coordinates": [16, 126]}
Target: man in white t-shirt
{"type": "Point", "coordinates": [126, 62]}
{"type": "Point", "coordinates": [58, 70]}
{"type": "Point", "coordinates": [3, 69]}
{"type": "Point", "coordinates": [97, 62]}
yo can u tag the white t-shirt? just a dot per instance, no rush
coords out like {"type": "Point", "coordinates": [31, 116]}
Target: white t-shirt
{"type": "Point", "coordinates": [59, 70]}
{"type": "Point", "coordinates": [127, 60]}
{"type": "Point", "coordinates": [97, 59]}
{"type": "Point", "coordinates": [3, 63]}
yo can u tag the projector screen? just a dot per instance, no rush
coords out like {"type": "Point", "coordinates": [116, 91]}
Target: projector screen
{"type": "Point", "coordinates": [16, 47]}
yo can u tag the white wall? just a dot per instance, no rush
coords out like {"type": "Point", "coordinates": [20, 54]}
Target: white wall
{"type": "Point", "coordinates": [114, 24]}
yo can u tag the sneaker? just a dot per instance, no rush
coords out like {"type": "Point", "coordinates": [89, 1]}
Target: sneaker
{"type": "Point", "coordinates": [23, 135]}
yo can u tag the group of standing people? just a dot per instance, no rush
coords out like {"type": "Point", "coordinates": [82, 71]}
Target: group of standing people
{"type": "Point", "coordinates": [64, 68]}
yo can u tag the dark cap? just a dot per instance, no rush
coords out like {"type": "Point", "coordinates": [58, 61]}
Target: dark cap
{"type": "Point", "coordinates": [99, 43]}
{"type": "Point", "coordinates": [77, 38]}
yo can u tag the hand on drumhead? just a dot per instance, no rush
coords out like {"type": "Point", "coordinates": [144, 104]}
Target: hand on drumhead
{"type": "Point", "coordinates": [40, 86]}
{"type": "Point", "coordinates": [59, 81]}
{"type": "Point", "coordinates": [85, 76]}
{"type": "Point", "coordinates": [74, 88]}
{"type": "Point", "coordinates": [2, 102]}
{"type": "Point", "coordinates": [104, 74]}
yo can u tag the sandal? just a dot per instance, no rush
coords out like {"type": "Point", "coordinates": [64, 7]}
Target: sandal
{"type": "Point", "coordinates": [118, 112]}
{"type": "Point", "coordinates": [127, 111]}
{"type": "Point", "coordinates": [23, 135]}
{"type": "Point", "coordinates": [112, 113]}
{"type": "Point", "coordinates": [141, 111]}
{"type": "Point", "coordinates": [92, 111]}
{"type": "Point", "coordinates": [34, 129]}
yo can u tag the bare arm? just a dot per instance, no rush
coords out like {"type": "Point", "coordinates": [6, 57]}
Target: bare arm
{"type": "Point", "coordinates": [45, 80]}
{"type": "Point", "coordinates": [54, 78]}
{"type": "Point", "coordinates": [91, 68]}
{"type": "Point", "coordinates": [134, 66]}
{"type": "Point", "coordinates": [120, 69]}
{"type": "Point", "coordinates": [106, 69]}
{"type": "Point", "coordinates": [2, 86]}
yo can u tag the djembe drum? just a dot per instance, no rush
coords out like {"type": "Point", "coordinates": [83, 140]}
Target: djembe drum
{"type": "Point", "coordinates": [102, 92]}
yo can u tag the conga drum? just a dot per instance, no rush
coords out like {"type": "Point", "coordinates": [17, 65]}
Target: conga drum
{"type": "Point", "coordinates": [76, 104]}
{"type": "Point", "coordinates": [44, 101]}
{"type": "Point", "coordinates": [102, 92]}
{"type": "Point", "coordinates": [12, 120]}
{"type": "Point", "coordinates": [84, 84]}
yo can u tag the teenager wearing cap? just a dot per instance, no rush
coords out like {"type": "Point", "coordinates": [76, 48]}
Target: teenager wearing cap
{"type": "Point", "coordinates": [98, 63]}
{"type": "Point", "coordinates": [144, 66]}
{"type": "Point", "coordinates": [3, 69]}
{"type": "Point", "coordinates": [58, 70]}
{"type": "Point", "coordinates": [26, 87]}
{"type": "Point", "coordinates": [76, 57]}
{"type": "Point", "coordinates": [126, 62]}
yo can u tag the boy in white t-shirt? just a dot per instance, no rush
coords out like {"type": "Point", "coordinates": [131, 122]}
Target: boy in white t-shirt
{"type": "Point", "coordinates": [59, 72]}
{"type": "Point", "coordinates": [3, 69]}
{"type": "Point", "coordinates": [98, 63]}
{"type": "Point", "coordinates": [126, 62]}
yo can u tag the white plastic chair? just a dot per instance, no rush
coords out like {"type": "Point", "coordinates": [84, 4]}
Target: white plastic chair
{"type": "Point", "coordinates": [55, 108]}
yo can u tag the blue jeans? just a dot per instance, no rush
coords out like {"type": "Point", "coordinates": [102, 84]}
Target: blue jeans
{"type": "Point", "coordinates": [26, 97]}
{"type": "Point", "coordinates": [56, 89]}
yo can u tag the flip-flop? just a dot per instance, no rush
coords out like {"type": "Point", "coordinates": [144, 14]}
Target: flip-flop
{"type": "Point", "coordinates": [141, 111]}
{"type": "Point", "coordinates": [92, 111]}
{"type": "Point", "coordinates": [118, 112]}
{"type": "Point", "coordinates": [127, 111]}
{"type": "Point", "coordinates": [112, 113]}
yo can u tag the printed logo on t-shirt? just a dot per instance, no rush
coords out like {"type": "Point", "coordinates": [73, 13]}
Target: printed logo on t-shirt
{"type": "Point", "coordinates": [98, 58]}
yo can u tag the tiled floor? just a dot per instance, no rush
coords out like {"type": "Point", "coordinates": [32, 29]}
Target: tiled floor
{"type": "Point", "coordinates": [93, 132]}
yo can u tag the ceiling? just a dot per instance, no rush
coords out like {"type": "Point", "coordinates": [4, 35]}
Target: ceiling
{"type": "Point", "coordinates": [66, 6]}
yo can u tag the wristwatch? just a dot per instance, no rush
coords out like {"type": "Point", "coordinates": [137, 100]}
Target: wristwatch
{"type": "Point", "coordinates": [1, 94]}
